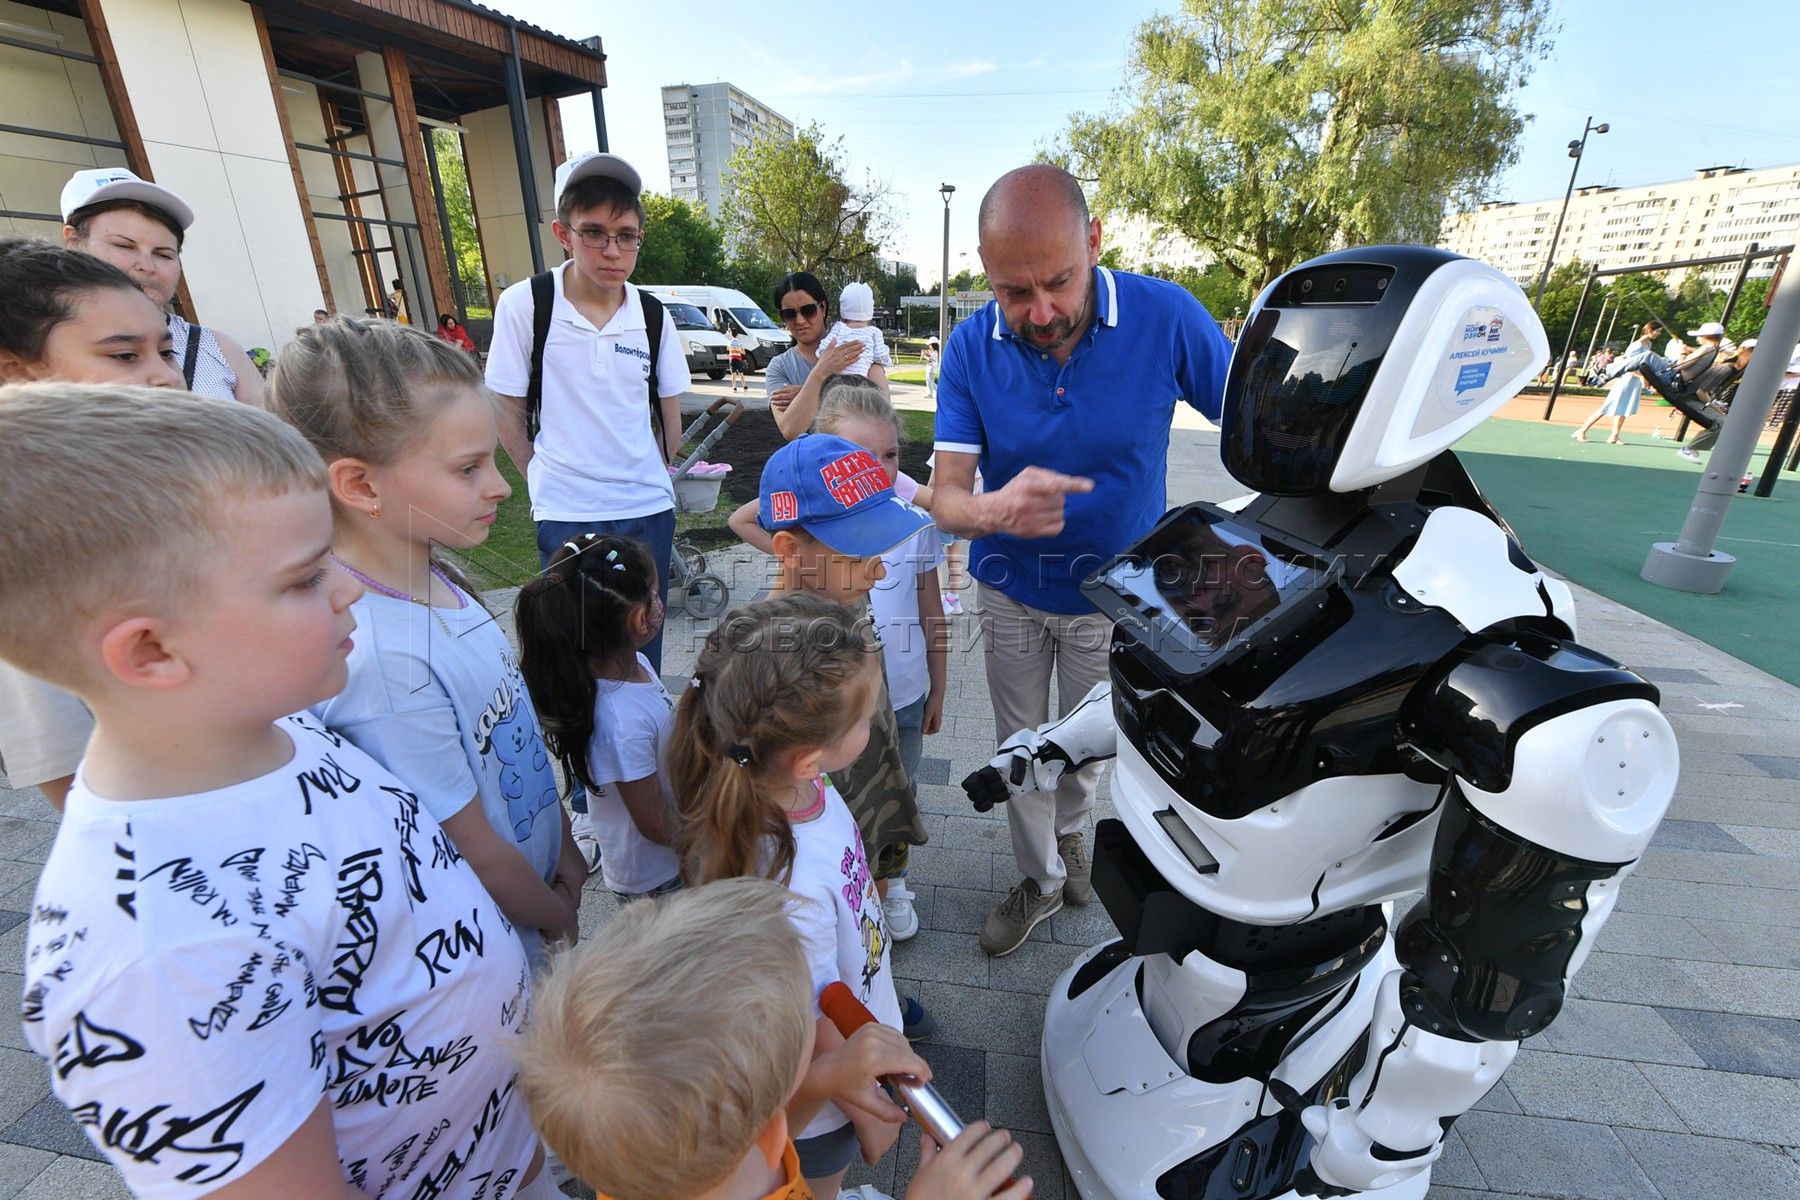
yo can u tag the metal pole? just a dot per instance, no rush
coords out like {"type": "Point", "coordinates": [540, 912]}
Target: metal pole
{"type": "Point", "coordinates": [1619, 308]}
{"type": "Point", "coordinates": [1691, 564]}
{"type": "Point", "coordinates": [600, 119]}
{"type": "Point", "coordinates": [521, 131]}
{"type": "Point", "coordinates": [1575, 151]}
{"type": "Point", "coordinates": [1563, 358]}
{"type": "Point", "coordinates": [1593, 337]}
{"type": "Point", "coordinates": [1737, 283]}
{"type": "Point", "coordinates": [946, 191]}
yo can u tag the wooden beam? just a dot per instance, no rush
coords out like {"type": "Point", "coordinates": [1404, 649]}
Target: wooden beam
{"type": "Point", "coordinates": [119, 100]}
{"type": "Point", "coordinates": [293, 157]}
{"type": "Point", "coordinates": [553, 125]}
{"type": "Point", "coordinates": [418, 180]}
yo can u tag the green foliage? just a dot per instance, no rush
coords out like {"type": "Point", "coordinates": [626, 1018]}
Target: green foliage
{"type": "Point", "coordinates": [682, 244]}
{"type": "Point", "coordinates": [791, 203]}
{"type": "Point", "coordinates": [1219, 291]}
{"type": "Point", "coordinates": [465, 254]}
{"type": "Point", "coordinates": [1561, 294]}
{"type": "Point", "coordinates": [755, 279]}
{"type": "Point", "coordinates": [967, 281]}
{"type": "Point", "coordinates": [891, 286]}
{"type": "Point", "coordinates": [1269, 131]}
{"type": "Point", "coordinates": [1748, 316]}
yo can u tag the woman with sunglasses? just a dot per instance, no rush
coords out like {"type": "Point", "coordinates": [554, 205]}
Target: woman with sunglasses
{"type": "Point", "coordinates": [796, 374]}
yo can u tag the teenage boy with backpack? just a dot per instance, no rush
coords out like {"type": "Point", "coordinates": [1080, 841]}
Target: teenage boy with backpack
{"type": "Point", "coordinates": [589, 375]}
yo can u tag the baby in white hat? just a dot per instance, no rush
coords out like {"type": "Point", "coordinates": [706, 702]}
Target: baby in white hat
{"type": "Point", "coordinates": [856, 309]}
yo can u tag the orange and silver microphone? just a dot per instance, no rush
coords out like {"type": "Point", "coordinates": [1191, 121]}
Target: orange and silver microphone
{"type": "Point", "coordinates": [920, 1100]}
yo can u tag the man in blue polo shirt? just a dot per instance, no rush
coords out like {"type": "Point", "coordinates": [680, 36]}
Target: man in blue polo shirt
{"type": "Point", "coordinates": [1061, 390]}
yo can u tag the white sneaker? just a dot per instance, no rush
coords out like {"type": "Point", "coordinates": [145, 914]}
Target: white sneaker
{"type": "Point", "coordinates": [952, 603]}
{"type": "Point", "coordinates": [581, 828]}
{"type": "Point", "coordinates": [1688, 454]}
{"type": "Point", "coordinates": [864, 1191]}
{"type": "Point", "coordinates": [903, 922]}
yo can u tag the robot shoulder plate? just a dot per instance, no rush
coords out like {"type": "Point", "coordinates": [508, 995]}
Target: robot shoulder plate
{"type": "Point", "coordinates": [1462, 562]}
{"type": "Point", "coordinates": [1553, 741]}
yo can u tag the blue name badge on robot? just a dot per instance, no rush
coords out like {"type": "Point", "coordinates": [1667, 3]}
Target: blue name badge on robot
{"type": "Point", "coordinates": [1198, 585]}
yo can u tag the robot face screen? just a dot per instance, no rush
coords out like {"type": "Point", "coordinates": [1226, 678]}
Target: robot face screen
{"type": "Point", "coordinates": [1197, 584]}
{"type": "Point", "coordinates": [1303, 365]}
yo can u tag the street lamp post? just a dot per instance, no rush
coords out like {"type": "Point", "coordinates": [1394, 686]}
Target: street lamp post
{"type": "Point", "coordinates": [1575, 150]}
{"type": "Point", "coordinates": [946, 191]}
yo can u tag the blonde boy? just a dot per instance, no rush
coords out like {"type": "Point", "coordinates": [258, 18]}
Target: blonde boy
{"type": "Point", "coordinates": [253, 963]}
{"type": "Point", "coordinates": [668, 1058]}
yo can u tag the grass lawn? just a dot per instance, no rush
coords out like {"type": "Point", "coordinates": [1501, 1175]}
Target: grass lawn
{"type": "Point", "coordinates": [509, 557]}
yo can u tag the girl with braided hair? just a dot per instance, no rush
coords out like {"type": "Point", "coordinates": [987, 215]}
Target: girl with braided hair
{"type": "Point", "coordinates": [582, 626]}
{"type": "Point", "coordinates": [783, 693]}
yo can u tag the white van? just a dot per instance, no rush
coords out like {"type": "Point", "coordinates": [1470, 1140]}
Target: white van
{"type": "Point", "coordinates": [708, 350]}
{"type": "Point", "coordinates": [732, 312]}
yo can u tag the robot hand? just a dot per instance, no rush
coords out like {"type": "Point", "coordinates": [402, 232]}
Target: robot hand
{"type": "Point", "coordinates": [1035, 760]}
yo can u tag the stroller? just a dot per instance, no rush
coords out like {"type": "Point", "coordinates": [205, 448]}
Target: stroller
{"type": "Point", "coordinates": [701, 593]}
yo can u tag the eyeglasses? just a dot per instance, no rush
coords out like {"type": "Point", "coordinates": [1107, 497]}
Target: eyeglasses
{"type": "Point", "coordinates": [809, 311]}
{"type": "Point", "coordinates": [599, 239]}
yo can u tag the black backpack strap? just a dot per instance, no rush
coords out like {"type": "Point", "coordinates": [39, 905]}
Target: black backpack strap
{"type": "Point", "coordinates": [191, 358]}
{"type": "Point", "coordinates": [653, 329]}
{"type": "Point", "coordinates": [543, 302]}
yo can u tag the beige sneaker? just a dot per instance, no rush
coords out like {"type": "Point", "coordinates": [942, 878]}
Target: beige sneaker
{"type": "Point", "coordinates": [1013, 919]}
{"type": "Point", "coordinates": [1078, 888]}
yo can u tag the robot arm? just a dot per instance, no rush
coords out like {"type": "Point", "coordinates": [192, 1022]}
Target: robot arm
{"type": "Point", "coordinates": [1035, 760]}
{"type": "Point", "coordinates": [1543, 817]}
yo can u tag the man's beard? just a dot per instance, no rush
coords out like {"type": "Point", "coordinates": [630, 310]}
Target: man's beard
{"type": "Point", "coordinates": [1061, 329]}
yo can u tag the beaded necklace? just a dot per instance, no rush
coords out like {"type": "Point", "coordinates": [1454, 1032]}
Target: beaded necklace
{"type": "Point", "coordinates": [812, 810]}
{"type": "Point", "coordinates": [395, 593]}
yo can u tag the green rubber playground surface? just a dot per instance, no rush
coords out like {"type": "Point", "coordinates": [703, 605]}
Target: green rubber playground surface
{"type": "Point", "coordinates": [1591, 512]}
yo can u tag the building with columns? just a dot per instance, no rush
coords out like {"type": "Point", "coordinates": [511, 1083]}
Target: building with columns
{"type": "Point", "coordinates": [328, 147]}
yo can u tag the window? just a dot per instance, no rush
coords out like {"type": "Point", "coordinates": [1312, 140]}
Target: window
{"type": "Point", "coordinates": [55, 101]}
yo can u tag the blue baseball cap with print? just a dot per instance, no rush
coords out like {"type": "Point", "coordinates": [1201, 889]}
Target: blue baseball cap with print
{"type": "Point", "coordinates": [836, 491]}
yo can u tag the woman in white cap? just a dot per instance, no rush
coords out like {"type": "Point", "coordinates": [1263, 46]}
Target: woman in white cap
{"type": "Point", "coordinates": [139, 227]}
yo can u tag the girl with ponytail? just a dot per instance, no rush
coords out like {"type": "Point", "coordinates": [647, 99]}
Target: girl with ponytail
{"type": "Point", "coordinates": [783, 693]}
{"type": "Point", "coordinates": [606, 715]}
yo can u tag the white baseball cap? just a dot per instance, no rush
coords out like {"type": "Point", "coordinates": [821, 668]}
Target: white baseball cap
{"type": "Point", "coordinates": [96, 186]}
{"type": "Point", "coordinates": [592, 163]}
{"type": "Point", "coordinates": [1710, 329]}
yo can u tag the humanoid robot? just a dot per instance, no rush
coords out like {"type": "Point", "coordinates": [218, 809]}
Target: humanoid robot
{"type": "Point", "coordinates": [1354, 688]}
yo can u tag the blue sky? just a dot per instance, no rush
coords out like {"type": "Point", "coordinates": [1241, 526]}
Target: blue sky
{"type": "Point", "coordinates": [958, 93]}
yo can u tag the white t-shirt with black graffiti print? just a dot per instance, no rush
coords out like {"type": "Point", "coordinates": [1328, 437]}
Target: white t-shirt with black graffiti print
{"type": "Point", "coordinates": [201, 970]}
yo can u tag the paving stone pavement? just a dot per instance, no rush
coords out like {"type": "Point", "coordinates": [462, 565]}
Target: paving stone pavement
{"type": "Point", "coordinates": [1673, 1073]}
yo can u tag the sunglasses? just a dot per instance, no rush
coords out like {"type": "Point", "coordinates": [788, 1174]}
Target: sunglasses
{"type": "Point", "coordinates": [809, 311]}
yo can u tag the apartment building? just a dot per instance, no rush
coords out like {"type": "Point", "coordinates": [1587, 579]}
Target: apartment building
{"type": "Point", "coordinates": [1720, 210]}
{"type": "Point", "coordinates": [703, 125]}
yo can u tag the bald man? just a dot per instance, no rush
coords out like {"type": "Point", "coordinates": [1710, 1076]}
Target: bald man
{"type": "Point", "coordinates": [1061, 390]}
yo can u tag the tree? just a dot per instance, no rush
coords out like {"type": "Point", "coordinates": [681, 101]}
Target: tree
{"type": "Point", "coordinates": [1750, 312]}
{"type": "Point", "coordinates": [1561, 294]}
{"type": "Point", "coordinates": [682, 244]}
{"type": "Point", "coordinates": [465, 252]}
{"type": "Point", "coordinates": [1270, 131]}
{"type": "Point", "coordinates": [791, 203]}
{"type": "Point", "coordinates": [1219, 291]}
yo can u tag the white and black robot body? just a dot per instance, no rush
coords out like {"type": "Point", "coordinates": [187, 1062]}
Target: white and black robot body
{"type": "Point", "coordinates": [1404, 709]}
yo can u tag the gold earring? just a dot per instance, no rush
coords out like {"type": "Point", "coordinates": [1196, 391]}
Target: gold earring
{"type": "Point", "coordinates": [375, 510]}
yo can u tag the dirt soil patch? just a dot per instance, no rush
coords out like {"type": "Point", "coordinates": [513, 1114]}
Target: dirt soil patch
{"type": "Point", "coordinates": [747, 446]}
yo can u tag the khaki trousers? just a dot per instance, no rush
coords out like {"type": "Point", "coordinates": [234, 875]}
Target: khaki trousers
{"type": "Point", "coordinates": [1022, 648]}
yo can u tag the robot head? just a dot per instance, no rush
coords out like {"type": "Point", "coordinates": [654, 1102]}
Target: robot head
{"type": "Point", "coordinates": [1356, 367]}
